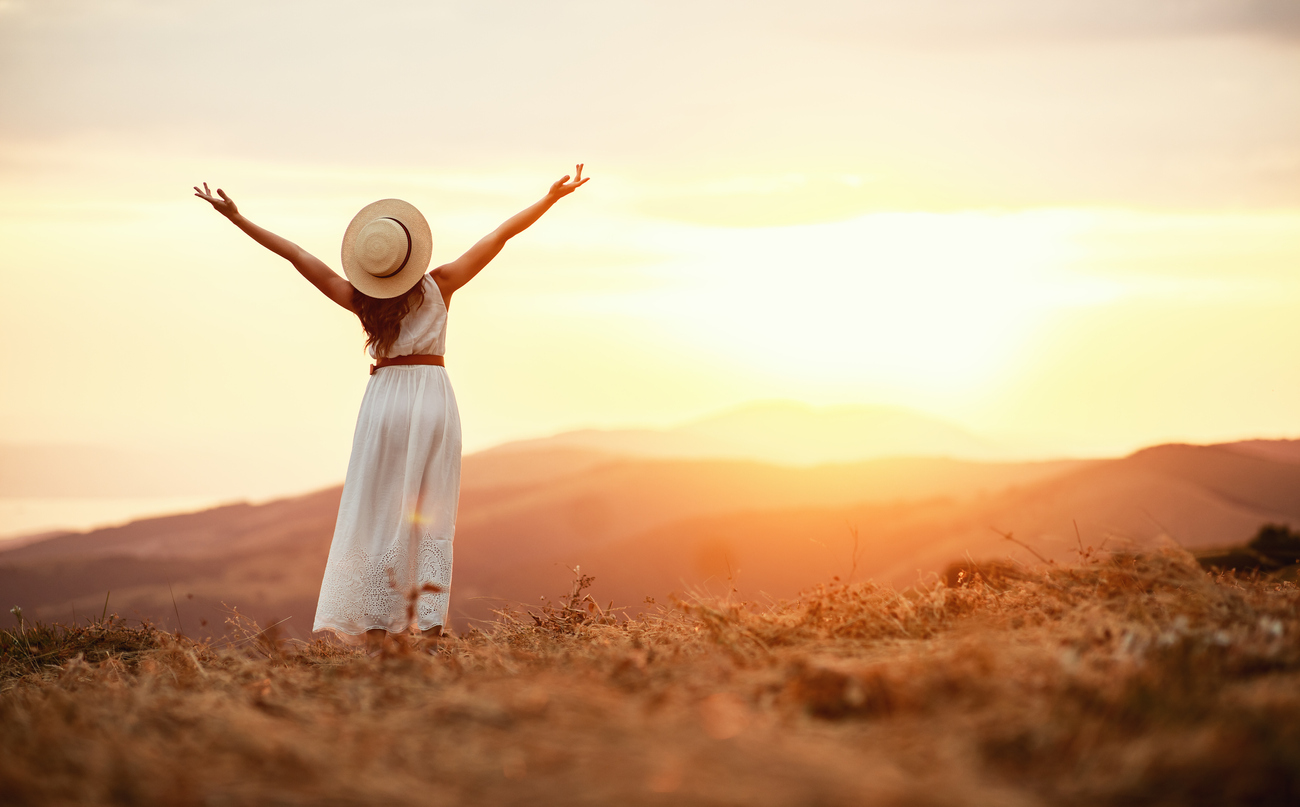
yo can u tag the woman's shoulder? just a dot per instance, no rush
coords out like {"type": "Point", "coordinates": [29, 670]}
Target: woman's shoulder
{"type": "Point", "coordinates": [431, 287]}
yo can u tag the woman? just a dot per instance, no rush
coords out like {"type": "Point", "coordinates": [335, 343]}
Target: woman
{"type": "Point", "coordinates": [389, 567]}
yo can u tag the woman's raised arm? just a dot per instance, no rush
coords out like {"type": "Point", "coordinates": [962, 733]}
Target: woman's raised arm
{"type": "Point", "coordinates": [451, 276]}
{"type": "Point", "coordinates": [309, 266]}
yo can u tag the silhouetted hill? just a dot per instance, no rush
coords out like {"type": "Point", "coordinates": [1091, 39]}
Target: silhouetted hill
{"type": "Point", "coordinates": [518, 510]}
{"type": "Point", "coordinates": [645, 527]}
{"type": "Point", "coordinates": [225, 531]}
{"type": "Point", "coordinates": [1277, 450]}
{"type": "Point", "coordinates": [1198, 496]}
{"type": "Point", "coordinates": [783, 432]}
{"type": "Point", "coordinates": [776, 432]}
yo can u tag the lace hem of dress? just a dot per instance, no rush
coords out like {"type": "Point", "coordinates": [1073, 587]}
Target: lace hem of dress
{"type": "Point", "coordinates": [362, 593]}
{"type": "Point", "coordinates": [359, 637]}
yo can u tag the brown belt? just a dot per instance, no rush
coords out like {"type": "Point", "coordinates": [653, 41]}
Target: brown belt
{"type": "Point", "coordinates": [415, 358]}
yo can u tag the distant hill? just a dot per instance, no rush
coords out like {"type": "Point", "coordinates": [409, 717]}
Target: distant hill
{"type": "Point", "coordinates": [784, 433]}
{"type": "Point", "coordinates": [1277, 450]}
{"type": "Point", "coordinates": [518, 510]}
{"type": "Point", "coordinates": [645, 527]}
{"type": "Point", "coordinates": [1197, 496]}
{"type": "Point", "coordinates": [776, 432]}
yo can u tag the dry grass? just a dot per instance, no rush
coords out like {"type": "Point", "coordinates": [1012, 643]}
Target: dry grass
{"type": "Point", "coordinates": [1131, 679]}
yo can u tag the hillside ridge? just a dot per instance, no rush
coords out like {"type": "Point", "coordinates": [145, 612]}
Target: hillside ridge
{"type": "Point", "coordinates": [645, 527]}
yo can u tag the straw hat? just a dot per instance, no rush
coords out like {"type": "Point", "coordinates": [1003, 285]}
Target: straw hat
{"type": "Point", "coordinates": [386, 248]}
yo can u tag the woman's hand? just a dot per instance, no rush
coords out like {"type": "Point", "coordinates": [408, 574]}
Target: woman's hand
{"type": "Point", "coordinates": [561, 188]}
{"type": "Point", "coordinates": [309, 266]}
{"type": "Point", "coordinates": [225, 205]}
{"type": "Point", "coordinates": [451, 276]}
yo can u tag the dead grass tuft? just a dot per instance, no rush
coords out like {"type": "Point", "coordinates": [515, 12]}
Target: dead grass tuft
{"type": "Point", "coordinates": [1123, 679]}
{"type": "Point", "coordinates": [33, 647]}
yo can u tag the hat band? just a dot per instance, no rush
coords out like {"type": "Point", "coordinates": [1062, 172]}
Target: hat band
{"type": "Point", "coordinates": [408, 248]}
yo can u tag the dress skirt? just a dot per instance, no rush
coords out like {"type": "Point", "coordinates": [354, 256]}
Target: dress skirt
{"type": "Point", "coordinates": [397, 517]}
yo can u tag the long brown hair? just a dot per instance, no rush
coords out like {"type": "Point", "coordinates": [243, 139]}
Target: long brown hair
{"type": "Point", "coordinates": [382, 319]}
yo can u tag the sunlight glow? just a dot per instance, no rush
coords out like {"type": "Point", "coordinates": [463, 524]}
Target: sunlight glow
{"type": "Point", "coordinates": [1054, 225]}
{"type": "Point", "coordinates": [919, 299]}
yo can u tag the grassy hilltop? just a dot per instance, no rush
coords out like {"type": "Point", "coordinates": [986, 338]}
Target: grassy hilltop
{"type": "Point", "coordinates": [1117, 680]}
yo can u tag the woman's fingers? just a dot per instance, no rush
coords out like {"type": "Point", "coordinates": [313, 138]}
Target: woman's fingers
{"type": "Point", "coordinates": [224, 205]}
{"type": "Point", "coordinates": [563, 187]}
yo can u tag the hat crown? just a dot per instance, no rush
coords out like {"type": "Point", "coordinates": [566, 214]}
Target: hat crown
{"type": "Point", "coordinates": [382, 247]}
{"type": "Point", "coordinates": [386, 248]}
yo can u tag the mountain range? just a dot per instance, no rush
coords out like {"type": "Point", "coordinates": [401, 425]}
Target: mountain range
{"type": "Point", "coordinates": [778, 432]}
{"type": "Point", "coordinates": [785, 433]}
{"type": "Point", "coordinates": [650, 527]}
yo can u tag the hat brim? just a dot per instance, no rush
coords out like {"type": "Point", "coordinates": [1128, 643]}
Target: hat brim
{"type": "Point", "coordinates": [416, 264]}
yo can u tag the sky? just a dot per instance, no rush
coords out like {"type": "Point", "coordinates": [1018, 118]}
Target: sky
{"type": "Point", "coordinates": [1072, 226]}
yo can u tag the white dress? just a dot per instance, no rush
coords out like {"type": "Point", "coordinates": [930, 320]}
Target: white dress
{"type": "Point", "coordinates": [397, 517]}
